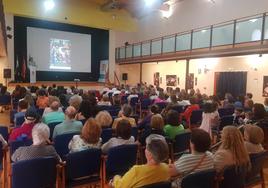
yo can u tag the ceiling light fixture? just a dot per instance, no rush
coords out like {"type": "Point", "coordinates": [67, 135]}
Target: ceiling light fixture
{"type": "Point", "coordinates": [149, 3]}
{"type": "Point", "coordinates": [49, 4]}
{"type": "Point", "coordinates": [253, 20]}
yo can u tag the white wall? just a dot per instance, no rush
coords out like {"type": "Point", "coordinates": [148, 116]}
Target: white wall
{"type": "Point", "coordinates": [255, 66]}
{"type": "Point", "coordinates": [191, 14]}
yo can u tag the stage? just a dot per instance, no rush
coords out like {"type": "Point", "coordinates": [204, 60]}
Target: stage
{"type": "Point", "coordinates": [81, 85]}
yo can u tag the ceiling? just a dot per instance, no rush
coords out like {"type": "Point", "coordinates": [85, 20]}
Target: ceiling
{"type": "Point", "coordinates": [136, 8]}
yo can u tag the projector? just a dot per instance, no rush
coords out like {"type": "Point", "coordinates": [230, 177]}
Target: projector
{"type": "Point", "coordinates": [77, 80]}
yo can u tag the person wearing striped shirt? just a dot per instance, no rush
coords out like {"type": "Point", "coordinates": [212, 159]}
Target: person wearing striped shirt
{"type": "Point", "coordinates": [198, 160]}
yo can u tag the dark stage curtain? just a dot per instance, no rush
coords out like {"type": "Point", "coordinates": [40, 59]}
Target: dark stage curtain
{"type": "Point", "coordinates": [232, 82]}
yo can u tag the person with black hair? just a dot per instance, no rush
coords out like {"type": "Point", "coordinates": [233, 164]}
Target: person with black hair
{"type": "Point", "coordinates": [173, 126]}
{"type": "Point", "coordinates": [198, 160]}
{"type": "Point", "coordinates": [145, 123]}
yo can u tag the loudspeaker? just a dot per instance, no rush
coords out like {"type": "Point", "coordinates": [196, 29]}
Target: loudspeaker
{"type": "Point", "coordinates": [7, 73]}
{"type": "Point", "coordinates": [124, 76]}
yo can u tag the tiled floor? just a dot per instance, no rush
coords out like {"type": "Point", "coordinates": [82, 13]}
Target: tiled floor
{"type": "Point", "coordinates": [4, 121]}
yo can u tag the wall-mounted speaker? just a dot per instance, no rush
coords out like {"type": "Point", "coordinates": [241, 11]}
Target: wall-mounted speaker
{"type": "Point", "coordinates": [7, 73]}
{"type": "Point", "coordinates": [124, 76]}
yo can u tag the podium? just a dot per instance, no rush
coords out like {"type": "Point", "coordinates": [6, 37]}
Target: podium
{"type": "Point", "coordinates": [32, 74]}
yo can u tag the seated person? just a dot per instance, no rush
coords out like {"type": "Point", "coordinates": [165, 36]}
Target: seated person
{"type": "Point", "coordinates": [25, 130]}
{"type": "Point", "coordinates": [157, 125]}
{"type": "Point", "coordinates": [232, 150]}
{"type": "Point", "coordinates": [123, 136]}
{"type": "Point", "coordinates": [153, 171]}
{"type": "Point", "coordinates": [253, 136]}
{"type": "Point", "coordinates": [188, 112]}
{"type": "Point", "coordinates": [42, 99]}
{"type": "Point", "coordinates": [89, 137]}
{"type": "Point", "coordinates": [84, 111]}
{"type": "Point", "coordinates": [145, 123]}
{"type": "Point", "coordinates": [39, 148]}
{"type": "Point", "coordinates": [104, 119]}
{"type": "Point", "coordinates": [55, 115]}
{"type": "Point", "coordinates": [51, 99]}
{"type": "Point", "coordinates": [173, 126]}
{"type": "Point", "coordinates": [69, 125]}
{"type": "Point", "coordinates": [125, 114]}
{"type": "Point", "coordinates": [22, 108]}
{"type": "Point", "coordinates": [199, 159]}
{"type": "Point", "coordinates": [105, 101]}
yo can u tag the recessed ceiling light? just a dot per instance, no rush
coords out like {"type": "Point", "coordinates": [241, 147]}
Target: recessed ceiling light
{"type": "Point", "coordinates": [49, 4]}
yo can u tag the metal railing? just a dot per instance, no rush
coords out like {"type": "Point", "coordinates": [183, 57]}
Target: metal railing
{"type": "Point", "coordinates": [243, 30]}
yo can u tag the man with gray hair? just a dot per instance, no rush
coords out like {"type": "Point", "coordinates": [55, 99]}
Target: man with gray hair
{"type": "Point", "coordinates": [40, 147]}
{"type": "Point", "coordinates": [55, 115]}
{"type": "Point", "coordinates": [69, 125]}
{"type": "Point", "coordinates": [153, 171]}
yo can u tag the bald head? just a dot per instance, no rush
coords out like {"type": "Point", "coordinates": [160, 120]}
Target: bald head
{"type": "Point", "coordinates": [70, 112]}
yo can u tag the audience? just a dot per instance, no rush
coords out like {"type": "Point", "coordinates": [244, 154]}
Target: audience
{"type": "Point", "coordinates": [173, 126]}
{"type": "Point", "coordinates": [156, 127]}
{"type": "Point", "coordinates": [123, 136]}
{"type": "Point", "coordinates": [22, 108]}
{"type": "Point", "coordinates": [105, 101]}
{"type": "Point", "coordinates": [155, 170]}
{"type": "Point", "coordinates": [125, 114]}
{"type": "Point", "coordinates": [51, 99]}
{"type": "Point", "coordinates": [254, 137]}
{"type": "Point", "coordinates": [232, 150]}
{"type": "Point", "coordinates": [188, 112]}
{"type": "Point", "coordinates": [25, 131]}
{"type": "Point", "coordinates": [39, 148]}
{"type": "Point", "coordinates": [75, 101]}
{"type": "Point", "coordinates": [69, 125]}
{"type": "Point", "coordinates": [154, 109]}
{"type": "Point", "coordinates": [104, 119]}
{"type": "Point", "coordinates": [199, 159]}
{"type": "Point", "coordinates": [84, 111]}
{"type": "Point", "coordinates": [210, 117]}
{"type": "Point", "coordinates": [42, 99]}
{"type": "Point", "coordinates": [89, 137]}
{"type": "Point", "coordinates": [55, 115]}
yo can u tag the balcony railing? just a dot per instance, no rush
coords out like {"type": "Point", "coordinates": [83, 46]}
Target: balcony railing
{"type": "Point", "coordinates": [244, 30]}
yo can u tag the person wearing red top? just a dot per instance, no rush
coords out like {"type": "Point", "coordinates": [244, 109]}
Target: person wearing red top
{"type": "Point", "coordinates": [26, 129]}
{"type": "Point", "coordinates": [188, 112]}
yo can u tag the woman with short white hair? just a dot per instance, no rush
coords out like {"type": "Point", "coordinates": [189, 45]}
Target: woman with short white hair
{"type": "Point", "coordinates": [39, 148]}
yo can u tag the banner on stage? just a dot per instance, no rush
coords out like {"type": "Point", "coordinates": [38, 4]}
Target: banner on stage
{"type": "Point", "coordinates": [104, 67]}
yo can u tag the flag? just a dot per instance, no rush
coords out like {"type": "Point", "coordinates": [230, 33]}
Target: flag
{"type": "Point", "coordinates": [23, 69]}
{"type": "Point", "coordinates": [17, 67]}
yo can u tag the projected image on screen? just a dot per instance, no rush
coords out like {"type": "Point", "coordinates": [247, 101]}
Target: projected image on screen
{"type": "Point", "coordinates": [60, 54]}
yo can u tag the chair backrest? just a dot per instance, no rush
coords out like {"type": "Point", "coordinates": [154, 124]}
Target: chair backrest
{"type": "Point", "coordinates": [19, 121]}
{"type": "Point", "coordinates": [120, 159]}
{"type": "Point", "coordinates": [196, 116]}
{"type": "Point", "coordinates": [4, 132]}
{"type": "Point", "coordinates": [106, 134]}
{"type": "Point", "coordinates": [226, 120]}
{"type": "Point", "coordinates": [178, 108]}
{"type": "Point", "coordinates": [16, 144]}
{"type": "Point", "coordinates": [225, 111]}
{"type": "Point", "coordinates": [134, 132]}
{"type": "Point", "coordinates": [145, 103]}
{"type": "Point", "coordinates": [257, 162]}
{"type": "Point", "coordinates": [233, 177]}
{"type": "Point", "coordinates": [61, 143]}
{"type": "Point", "coordinates": [134, 101]}
{"type": "Point", "coordinates": [82, 164]}
{"type": "Point", "coordinates": [164, 184]}
{"type": "Point", "coordinates": [51, 128]}
{"type": "Point", "coordinates": [5, 100]}
{"type": "Point", "coordinates": [182, 142]}
{"type": "Point", "coordinates": [40, 172]}
{"type": "Point", "coordinates": [161, 105]}
{"type": "Point", "coordinates": [124, 99]}
{"type": "Point", "coordinates": [202, 179]}
{"type": "Point", "coordinates": [1, 156]}
{"type": "Point", "coordinates": [40, 111]}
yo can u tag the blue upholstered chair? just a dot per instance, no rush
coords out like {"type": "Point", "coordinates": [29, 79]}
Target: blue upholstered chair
{"type": "Point", "coordinates": [83, 168]}
{"type": "Point", "coordinates": [233, 177]}
{"type": "Point", "coordinates": [158, 185]}
{"type": "Point", "coordinates": [119, 160]}
{"type": "Point", "coordinates": [19, 143]}
{"type": "Point", "coordinates": [51, 128]}
{"type": "Point", "coordinates": [40, 172]}
{"type": "Point", "coordinates": [106, 134]}
{"type": "Point", "coordinates": [196, 117]}
{"type": "Point", "coordinates": [61, 143]}
{"type": "Point", "coordinates": [202, 179]}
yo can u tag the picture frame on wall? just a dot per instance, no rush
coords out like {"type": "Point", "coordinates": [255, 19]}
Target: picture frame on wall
{"type": "Point", "coordinates": [157, 79]}
{"type": "Point", "coordinates": [265, 86]}
{"type": "Point", "coordinates": [171, 80]}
